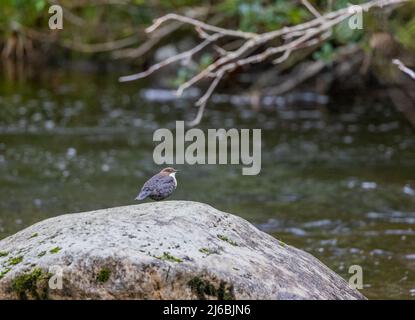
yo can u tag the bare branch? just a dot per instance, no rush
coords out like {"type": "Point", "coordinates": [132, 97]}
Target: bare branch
{"type": "Point", "coordinates": [155, 37]}
{"type": "Point", "coordinates": [220, 50]}
{"type": "Point", "coordinates": [211, 68]}
{"type": "Point", "coordinates": [148, 45]}
{"type": "Point", "coordinates": [404, 68]}
{"type": "Point", "coordinates": [204, 99]}
{"type": "Point", "coordinates": [182, 56]}
{"type": "Point", "coordinates": [250, 46]}
{"type": "Point", "coordinates": [283, 57]}
{"type": "Point", "coordinates": [202, 25]}
{"type": "Point", "coordinates": [311, 8]}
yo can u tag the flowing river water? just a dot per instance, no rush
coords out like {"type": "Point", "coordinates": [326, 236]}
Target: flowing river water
{"type": "Point", "coordinates": [340, 185]}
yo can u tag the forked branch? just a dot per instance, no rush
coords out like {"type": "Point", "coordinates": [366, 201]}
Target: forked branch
{"type": "Point", "coordinates": [254, 48]}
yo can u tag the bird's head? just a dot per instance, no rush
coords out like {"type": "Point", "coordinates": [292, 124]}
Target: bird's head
{"type": "Point", "coordinates": [168, 171]}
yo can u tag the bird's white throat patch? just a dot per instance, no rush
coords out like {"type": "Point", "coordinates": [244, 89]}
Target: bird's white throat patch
{"type": "Point", "coordinates": [173, 175]}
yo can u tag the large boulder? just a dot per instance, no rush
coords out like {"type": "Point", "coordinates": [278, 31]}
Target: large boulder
{"type": "Point", "coordinates": [164, 250]}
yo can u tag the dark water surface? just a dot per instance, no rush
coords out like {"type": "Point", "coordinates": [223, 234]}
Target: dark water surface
{"type": "Point", "coordinates": [338, 185]}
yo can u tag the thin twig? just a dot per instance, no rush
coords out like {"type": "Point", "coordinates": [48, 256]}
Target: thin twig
{"type": "Point", "coordinates": [145, 47]}
{"type": "Point", "coordinates": [404, 68]}
{"type": "Point", "coordinates": [182, 56]}
{"type": "Point", "coordinates": [204, 99]}
{"type": "Point", "coordinates": [283, 57]}
{"type": "Point", "coordinates": [200, 24]}
{"type": "Point", "coordinates": [311, 8]}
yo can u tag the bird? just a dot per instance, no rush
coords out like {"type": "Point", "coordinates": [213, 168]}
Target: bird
{"type": "Point", "coordinates": [159, 186]}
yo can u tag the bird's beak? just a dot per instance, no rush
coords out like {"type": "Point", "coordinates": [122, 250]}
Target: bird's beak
{"type": "Point", "coordinates": [176, 170]}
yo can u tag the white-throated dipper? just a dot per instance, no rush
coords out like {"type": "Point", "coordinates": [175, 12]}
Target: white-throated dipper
{"type": "Point", "coordinates": [159, 186]}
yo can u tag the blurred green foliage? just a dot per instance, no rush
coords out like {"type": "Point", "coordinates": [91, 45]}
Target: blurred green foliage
{"type": "Point", "coordinates": [256, 15]}
{"type": "Point", "coordinates": [88, 22]}
{"type": "Point", "coordinates": [403, 25]}
{"type": "Point", "coordinates": [406, 34]}
{"type": "Point", "coordinates": [108, 21]}
{"type": "Point", "coordinates": [17, 12]}
{"type": "Point", "coordinates": [325, 53]}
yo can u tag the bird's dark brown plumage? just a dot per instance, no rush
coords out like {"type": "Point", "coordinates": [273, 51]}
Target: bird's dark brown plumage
{"type": "Point", "coordinates": [159, 186]}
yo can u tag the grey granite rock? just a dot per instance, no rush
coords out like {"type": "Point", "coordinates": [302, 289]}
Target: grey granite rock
{"type": "Point", "coordinates": [164, 250]}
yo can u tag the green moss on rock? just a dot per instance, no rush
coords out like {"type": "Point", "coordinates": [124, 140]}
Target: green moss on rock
{"type": "Point", "coordinates": [55, 250]}
{"type": "Point", "coordinates": [33, 235]}
{"type": "Point", "coordinates": [168, 257]}
{"type": "Point", "coordinates": [15, 260]}
{"type": "Point", "coordinates": [3, 254]}
{"type": "Point", "coordinates": [225, 292]}
{"type": "Point", "coordinates": [32, 285]}
{"type": "Point", "coordinates": [208, 251]}
{"type": "Point", "coordinates": [3, 273]}
{"type": "Point", "coordinates": [103, 275]}
{"type": "Point", "coordinates": [204, 288]}
{"type": "Point", "coordinates": [226, 239]}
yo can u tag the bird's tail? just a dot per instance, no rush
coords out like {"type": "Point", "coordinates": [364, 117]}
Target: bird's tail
{"type": "Point", "coordinates": [142, 195]}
